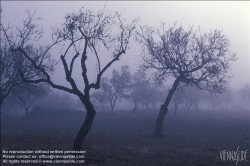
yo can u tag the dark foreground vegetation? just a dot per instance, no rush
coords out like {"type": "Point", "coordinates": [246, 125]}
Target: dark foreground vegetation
{"type": "Point", "coordinates": [126, 139]}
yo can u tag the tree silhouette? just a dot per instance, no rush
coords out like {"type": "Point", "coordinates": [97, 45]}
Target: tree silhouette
{"type": "Point", "coordinates": [27, 94]}
{"type": "Point", "coordinates": [136, 87]}
{"type": "Point", "coordinates": [100, 98]}
{"type": "Point", "coordinates": [82, 32]}
{"type": "Point", "coordinates": [11, 81]}
{"type": "Point", "coordinates": [186, 57]}
{"type": "Point", "coordinates": [114, 88]}
{"type": "Point", "coordinates": [177, 99]}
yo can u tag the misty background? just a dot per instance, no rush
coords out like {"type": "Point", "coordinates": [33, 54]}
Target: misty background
{"type": "Point", "coordinates": [198, 127]}
{"type": "Point", "coordinates": [231, 17]}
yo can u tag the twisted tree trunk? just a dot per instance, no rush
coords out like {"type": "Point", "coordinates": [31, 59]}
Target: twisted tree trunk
{"type": "Point", "coordinates": [85, 128]}
{"type": "Point", "coordinates": [159, 122]}
{"type": "Point", "coordinates": [164, 110]}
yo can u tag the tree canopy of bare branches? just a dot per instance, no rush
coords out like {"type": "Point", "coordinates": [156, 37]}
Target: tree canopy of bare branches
{"type": "Point", "coordinates": [9, 73]}
{"type": "Point", "coordinates": [82, 34]}
{"type": "Point", "coordinates": [11, 81]}
{"type": "Point", "coordinates": [187, 57]}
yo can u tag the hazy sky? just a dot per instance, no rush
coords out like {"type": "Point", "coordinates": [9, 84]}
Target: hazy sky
{"type": "Point", "coordinates": [232, 17]}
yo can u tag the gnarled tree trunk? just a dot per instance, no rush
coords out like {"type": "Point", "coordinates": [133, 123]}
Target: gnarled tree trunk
{"type": "Point", "coordinates": [84, 130]}
{"type": "Point", "coordinates": [164, 110]}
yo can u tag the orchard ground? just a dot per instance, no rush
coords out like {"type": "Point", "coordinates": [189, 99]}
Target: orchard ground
{"type": "Point", "coordinates": [190, 139]}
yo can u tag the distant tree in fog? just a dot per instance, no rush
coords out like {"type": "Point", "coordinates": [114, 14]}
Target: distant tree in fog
{"type": "Point", "coordinates": [115, 88]}
{"type": "Point", "coordinates": [100, 97]}
{"type": "Point", "coordinates": [136, 88]}
{"type": "Point", "coordinates": [192, 97]}
{"type": "Point", "coordinates": [10, 107]}
{"type": "Point", "coordinates": [178, 98]}
{"type": "Point", "coordinates": [28, 93]}
{"type": "Point", "coordinates": [221, 101]}
{"type": "Point", "coordinates": [57, 101]}
{"type": "Point", "coordinates": [244, 92]}
{"type": "Point", "coordinates": [150, 95]}
{"type": "Point", "coordinates": [81, 32]}
{"type": "Point", "coordinates": [9, 74]}
{"type": "Point", "coordinates": [11, 82]}
{"type": "Point", "coordinates": [187, 57]}
{"type": "Point", "coordinates": [147, 94]}
{"type": "Point", "coordinates": [11, 62]}
{"type": "Point", "coordinates": [227, 98]}
{"type": "Point", "coordinates": [142, 91]}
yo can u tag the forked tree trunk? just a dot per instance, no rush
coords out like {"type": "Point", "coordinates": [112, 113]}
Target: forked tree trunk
{"type": "Point", "coordinates": [84, 130]}
{"type": "Point", "coordinates": [164, 110]}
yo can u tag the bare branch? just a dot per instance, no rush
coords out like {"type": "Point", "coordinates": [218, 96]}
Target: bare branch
{"type": "Point", "coordinates": [202, 60]}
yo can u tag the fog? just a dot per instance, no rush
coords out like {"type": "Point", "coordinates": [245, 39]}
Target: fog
{"type": "Point", "coordinates": [231, 17]}
{"type": "Point", "coordinates": [199, 128]}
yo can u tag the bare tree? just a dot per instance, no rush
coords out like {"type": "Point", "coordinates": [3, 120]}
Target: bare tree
{"type": "Point", "coordinates": [82, 32]}
{"type": "Point", "coordinates": [58, 101]}
{"type": "Point", "coordinates": [136, 87]}
{"type": "Point", "coordinates": [213, 102]}
{"type": "Point", "coordinates": [177, 99]}
{"type": "Point", "coordinates": [187, 57]}
{"type": "Point", "coordinates": [227, 98]}
{"type": "Point", "coordinates": [146, 94]}
{"type": "Point", "coordinates": [11, 81]}
{"type": "Point", "coordinates": [192, 97]}
{"type": "Point", "coordinates": [142, 91]}
{"type": "Point", "coordinates": [244, 93]}
{"type": "Point", "coordinates": [100, 97]}
{"type": "Point", "coordinates": [28, 93]}
{"type": "Point", "coordinates": [114, 88]}
{"type": "Point", "coordinates": [8, 71]}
